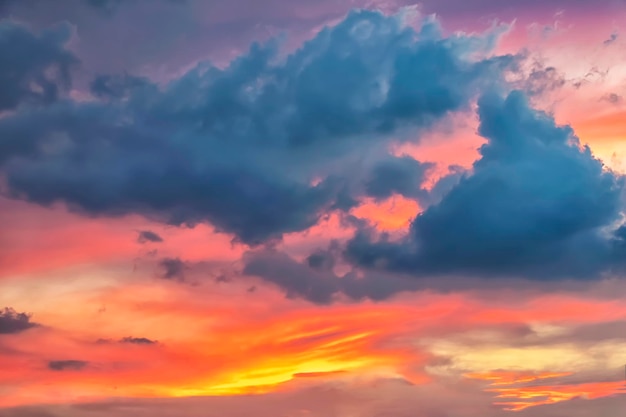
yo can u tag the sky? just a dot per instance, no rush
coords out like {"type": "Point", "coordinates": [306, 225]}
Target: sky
{"type": "Point", "coordinates": [348, 208]}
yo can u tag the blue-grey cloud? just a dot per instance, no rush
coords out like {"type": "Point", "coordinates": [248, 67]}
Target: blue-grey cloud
{"type": "Point", "coordinates": [402, 175]}
{"type": "Point", "coordinates": [34, 67]}
{"type": "Point", "coordinates": [110, 6]}
{"type": "Point", "coordinates": [316, 282]}
{"type": "Point", "coordinates": [105, 6]}
{"type": "Point", "coordinates": [12, 322]}
{"type": "Point", "coordinates": [240, 147]}
{"type": "Point", "coordinates": [536, 205]}
{"type": "Point", "coordinates": [116, 86]}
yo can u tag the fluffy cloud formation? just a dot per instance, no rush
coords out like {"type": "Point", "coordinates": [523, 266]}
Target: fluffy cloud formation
{"type": "Point", "coordinates": [537, 205]}
{"type": "Point", "coordinates": [13, 322]}
{"type": "Point", "coordinates": [242, 147]}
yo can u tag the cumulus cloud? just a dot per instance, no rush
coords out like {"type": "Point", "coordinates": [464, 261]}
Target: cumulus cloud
{"type": "Point", "coordinates": [12, 322]}
{"type": "Point", "coordinates": [240, 147]}
{"type": "Point", "coordinates": [536, 205]}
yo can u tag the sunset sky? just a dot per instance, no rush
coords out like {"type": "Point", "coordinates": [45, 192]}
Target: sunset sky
{"type": "Point", "coordinates": [298, 208]}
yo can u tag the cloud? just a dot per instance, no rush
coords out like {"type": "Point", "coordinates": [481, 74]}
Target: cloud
{"type": "Point", "coordinates": [116, 86]}
{"type": "Point", "coordinates": [67, 365]}
{"type": "Point", "coordinates": [402, 175]}
{"type": "Point", "coordinates": [240, 147]}
{"type": "Point", "coordinates": [129, 340]}
{"type": "Point", "coordinates": [138, 341]}
{"type": "Point", "coordinates": [173, 269]}
{"type": "Point", "coordinates": [12, 322]}
{"type": "Point", "coordinates": [146, 236]}
{"type": "Point", "coordinates": [537, 205]}
{"type": "Point", "coordinates": [316, 282]}
{"type": "Point", "coordinates": [612, 39]}
{"type": "Point", "coordinates": [34, 67]}
{"type": "Point", "coordinates": [109, 6]}
{"type": "Point", "coordinates": [613, 98]}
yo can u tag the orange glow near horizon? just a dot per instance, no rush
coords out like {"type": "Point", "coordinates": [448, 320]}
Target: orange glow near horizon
{"type": "Point", "coordinates": [523, 396]}
{"type": "Point", "coordinates": [526, 397]}
{"type": "Point", "coordinates": [207, 346]}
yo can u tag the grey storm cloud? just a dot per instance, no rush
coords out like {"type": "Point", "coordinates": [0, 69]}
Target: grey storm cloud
{"type": "Point", "coordinates": [67, 365]}
{"type": "Point", "coordinates": [12, 322]}
{"type": "Point", "coordinates": [239, 147]}
{"type": "Point", "coordinates": [537, 205]}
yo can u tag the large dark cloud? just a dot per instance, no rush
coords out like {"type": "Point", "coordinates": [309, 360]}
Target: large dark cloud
{"type": "Point", "coordinates": [34, 67]}
{"type": "Point", "coordinates": [12, 322]}
{"type": "Point", "coordinates": [240, 147]}
{"type": "Point", "coordinates": [536, 205]}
